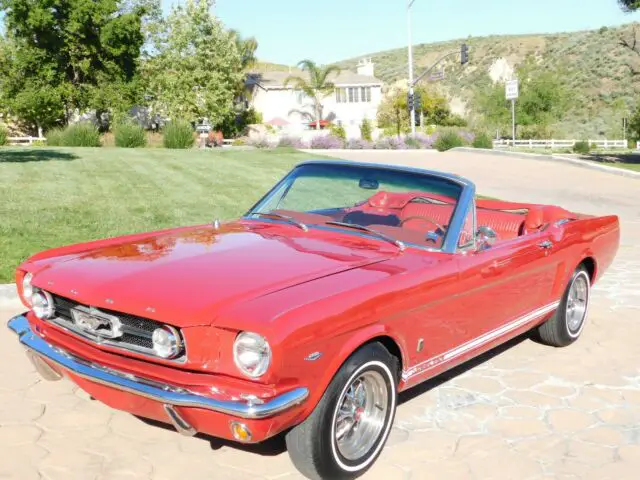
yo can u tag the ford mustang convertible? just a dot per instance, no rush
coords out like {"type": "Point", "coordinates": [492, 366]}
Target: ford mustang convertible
{"type": "Point", "coordinates": [344, 285]}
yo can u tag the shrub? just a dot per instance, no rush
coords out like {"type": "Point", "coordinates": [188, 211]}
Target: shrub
{"type": "Point", "coordinates": [454, 120]}
{"type": "Point", "coordinates": [129, 135]}
{"type": "Point", "coordinates": [55, 137]}
{"type": "Point", "coordinates": [482, 140]}
{"type": "Point", "coordinates": [359, 144]}
{"type": "Point", "coordinates": [327, 142]}
{"type": "Point", "coordinates": [447, 141]}
{"type": "Point", "coordinates": [366, 130]}
{"type": "Point", "coordinates": [178, 134]}
{"type": "Point", "coordinates": [83, 134]}
{"type": "Point", "coordinates": [291, 142]}
{"type": "Point", "coordinates": [4, 136]}
{"type": "Point", "coordinates": [338, 131]}
{"type": "Point", "coordinates": [259, 142]}
{"type": "Point", "coordinates": [412, 143]}
{"type": "Point", "coordinates": [390, 143]}
{"type": "Point", "coordinates": [582, 147]}
{"type": "Point", "coordinates": [239, 142]}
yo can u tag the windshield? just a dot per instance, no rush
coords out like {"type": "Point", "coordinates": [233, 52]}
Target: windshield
{"type": "Point", "coordinates": [400, 205]}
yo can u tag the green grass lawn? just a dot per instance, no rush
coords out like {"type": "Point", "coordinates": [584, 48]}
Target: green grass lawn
{"type": "Point", "coordinates": [57, 196]}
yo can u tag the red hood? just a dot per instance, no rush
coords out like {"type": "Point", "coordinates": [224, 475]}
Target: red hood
{"type": "Point", "coordinates": [183, 276]}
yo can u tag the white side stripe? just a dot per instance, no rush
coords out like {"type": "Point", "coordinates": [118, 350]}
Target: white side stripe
{"type": "Point", "coordinates": [477, 342]}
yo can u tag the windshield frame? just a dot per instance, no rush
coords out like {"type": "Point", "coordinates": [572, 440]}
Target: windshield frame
{"type": "Point", "coordinates": [450, 242]}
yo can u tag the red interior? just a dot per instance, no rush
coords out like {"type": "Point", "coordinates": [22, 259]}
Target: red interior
{"type": "Point", "coordinates": [404, 217]}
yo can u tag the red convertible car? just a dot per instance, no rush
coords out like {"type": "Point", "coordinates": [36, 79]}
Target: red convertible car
{"type": "Point", "coordinates": [346, 284]}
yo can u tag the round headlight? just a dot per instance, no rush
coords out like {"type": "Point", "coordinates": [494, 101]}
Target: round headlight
{"type": "Point", "coordinates": [42, 305]}
{"type": "Point", "coordinates": [27, 288]}
{"type": "Point", "coordinates": [252, 354]}
{"type": "Point", "coordinates": [166, 342]}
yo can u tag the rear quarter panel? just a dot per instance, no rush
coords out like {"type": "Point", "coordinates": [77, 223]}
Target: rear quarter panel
{"type": "Point", "coordinates": [597, 238]}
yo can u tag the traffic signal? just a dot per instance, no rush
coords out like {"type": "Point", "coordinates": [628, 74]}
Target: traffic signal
{"type": "Point", "coordinates": [417, 102]}
{"type": "Point", "coordinates": [410, 100]}
{"type": "Point", "coordinates": [464, 54]}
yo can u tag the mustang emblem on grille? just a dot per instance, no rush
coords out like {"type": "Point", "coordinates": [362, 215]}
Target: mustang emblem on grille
{"type": "Point", "coordinates": [95, 322]}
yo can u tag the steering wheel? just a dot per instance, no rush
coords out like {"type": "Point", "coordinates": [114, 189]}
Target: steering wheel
{"type": "Point", "coordinates": [419, 217]}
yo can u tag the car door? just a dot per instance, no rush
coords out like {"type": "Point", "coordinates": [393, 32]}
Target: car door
{"type": "Point", "coordinates": [508, 283]}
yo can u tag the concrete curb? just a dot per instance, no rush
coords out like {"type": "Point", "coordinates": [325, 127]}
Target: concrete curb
{"type": "Point", "coordinates": [320, 151]}
{"type": "Point", "coordinates": [9, 296]}
{"type": "Point", "coordinates": [551, 158]}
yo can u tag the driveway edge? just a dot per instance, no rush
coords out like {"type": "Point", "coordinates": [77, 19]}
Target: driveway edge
{"type": "Point", "coordinates": [320, 151]}
{"type": "Point", "coordinates": [9, 295]}
{"type": "Point", "coordinates": [550, 158]}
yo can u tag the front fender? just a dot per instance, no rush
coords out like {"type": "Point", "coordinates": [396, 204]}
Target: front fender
{"type": "Point", "coordinates": [345, 345]}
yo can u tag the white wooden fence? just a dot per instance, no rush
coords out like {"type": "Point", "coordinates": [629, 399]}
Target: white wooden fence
{"type": "Point", "coordinates": [558, 143]}
{"type": "Point", "coordinates": [25, 140]}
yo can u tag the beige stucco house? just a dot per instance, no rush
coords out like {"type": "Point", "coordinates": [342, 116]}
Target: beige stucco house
{"type": "Point", "coordinates": [356, 97]}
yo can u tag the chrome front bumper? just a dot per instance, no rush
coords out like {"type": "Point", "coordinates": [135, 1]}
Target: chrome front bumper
{"type": "Point", "coordinates": [169, 395]}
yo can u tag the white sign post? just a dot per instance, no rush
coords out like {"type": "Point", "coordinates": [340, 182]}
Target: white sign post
{"type": "Point", "coordinates": [511, 92]}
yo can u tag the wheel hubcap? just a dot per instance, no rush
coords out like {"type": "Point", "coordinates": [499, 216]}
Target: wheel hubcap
{"type": "Point", "coordinates": [361, 415]}
{"type": "Point", "coordinates": [577, 303]}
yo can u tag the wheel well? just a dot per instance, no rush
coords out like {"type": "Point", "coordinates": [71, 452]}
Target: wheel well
{"type": "Point", "coordinates": [590, 264]}
{"type": "Point", "coordinates": [392, 347]}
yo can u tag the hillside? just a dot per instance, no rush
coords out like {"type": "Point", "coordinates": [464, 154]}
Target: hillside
{"type": "Point", "coordinates": [593, 65]}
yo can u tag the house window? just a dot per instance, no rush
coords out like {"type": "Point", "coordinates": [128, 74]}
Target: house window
{"type": "Point", "coordinates": [351, 94]}
{"type": "Point", "coordinates": [341, 95]}
{"type": "Point", "coordinates": [365, 94]}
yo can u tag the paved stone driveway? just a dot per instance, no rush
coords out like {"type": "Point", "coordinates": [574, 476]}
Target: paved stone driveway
{"type": "Point", "coordinates": [523, 412]}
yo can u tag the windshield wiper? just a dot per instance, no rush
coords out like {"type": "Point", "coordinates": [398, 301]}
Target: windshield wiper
{"type": "Point", "coordinates": [286, 218]}
{"type": "Point", "coordinates": [381, 235]}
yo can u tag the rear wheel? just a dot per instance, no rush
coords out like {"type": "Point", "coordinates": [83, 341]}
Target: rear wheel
{"type": "Point", "coordinates": [350, 425]}
{"type": "Point", "coordinates": [567, 323]}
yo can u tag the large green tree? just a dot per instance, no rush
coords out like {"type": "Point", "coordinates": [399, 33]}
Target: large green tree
{"type": "Point", "coordinates": [542, 101]}
{"type": "Point", "coordinates": [70, 55]}
{"type": "Point", "coordinates": [394, 109]}
{"type": "Point", "coordinates": [315, 83]}
{"type": "Point", "coordinates": [196, 68]}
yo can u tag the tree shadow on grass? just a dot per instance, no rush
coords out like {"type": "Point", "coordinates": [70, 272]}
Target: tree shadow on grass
{"type": "Point", "coordinates": [33, 155]}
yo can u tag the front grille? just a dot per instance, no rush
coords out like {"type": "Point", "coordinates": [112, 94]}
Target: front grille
{"type": "Point", "coordinates": [136, 331]}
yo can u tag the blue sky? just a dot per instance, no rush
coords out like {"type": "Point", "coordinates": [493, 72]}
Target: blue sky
{"type": "Point", "coordinates": [331, 30]}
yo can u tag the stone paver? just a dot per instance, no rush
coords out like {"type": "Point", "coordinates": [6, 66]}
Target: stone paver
{"type": "Point", "coordinates": [529, 412]}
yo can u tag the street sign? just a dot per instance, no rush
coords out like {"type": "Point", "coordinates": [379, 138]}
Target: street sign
{"type": "Point", "coordinates": [511, 89]}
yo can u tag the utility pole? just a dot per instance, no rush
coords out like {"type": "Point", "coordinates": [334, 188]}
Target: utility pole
{"type": "Point", "coordinates": [412, 113]}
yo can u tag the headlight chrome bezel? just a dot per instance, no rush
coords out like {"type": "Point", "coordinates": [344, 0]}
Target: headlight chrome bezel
{"type": "Point", "coordinates": [171, 351]}
{"type": "Point", "coordinates": [252, 343]}
{"type": "Point", "coordinates": [42, 304]}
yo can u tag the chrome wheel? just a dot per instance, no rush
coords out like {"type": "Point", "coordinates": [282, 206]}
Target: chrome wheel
{"type": "Point", "coordinates": [361, 414]}
{"type": "Point", "coordinates": [577, 302]}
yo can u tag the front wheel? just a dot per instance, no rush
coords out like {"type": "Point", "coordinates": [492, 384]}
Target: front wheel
{"type": "Point", "coordinates": [350, 425]}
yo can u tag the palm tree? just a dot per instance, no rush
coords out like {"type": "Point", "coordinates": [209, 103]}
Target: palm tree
{"type": "Point", "coordinates": [317, 86]}
{"type": "Point", "coordinates": [246, 48]}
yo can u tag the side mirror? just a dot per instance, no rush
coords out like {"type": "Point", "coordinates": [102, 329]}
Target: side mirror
{"type": "Point", "coordinates": [485, 238]}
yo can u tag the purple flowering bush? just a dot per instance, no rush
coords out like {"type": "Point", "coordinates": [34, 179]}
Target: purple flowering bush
{"type": "Point", "coordinates": [327, 142]}
{"type": "Point", "coordinates": [359, 144]}
{"type": "Point", "coordinates": [390, 143]}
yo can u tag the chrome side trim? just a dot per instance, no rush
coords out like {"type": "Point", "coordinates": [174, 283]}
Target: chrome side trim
{"type": "Point", "coordinates": [181, 425]}
{"type": "Point", "coordinates": [154, 390]}
{"type": "Point", "coordinates": [478, 342]}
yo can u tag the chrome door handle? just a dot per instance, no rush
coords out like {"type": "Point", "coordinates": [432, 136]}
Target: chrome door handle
{"type": "Point", "coordinates": [546, 244]}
